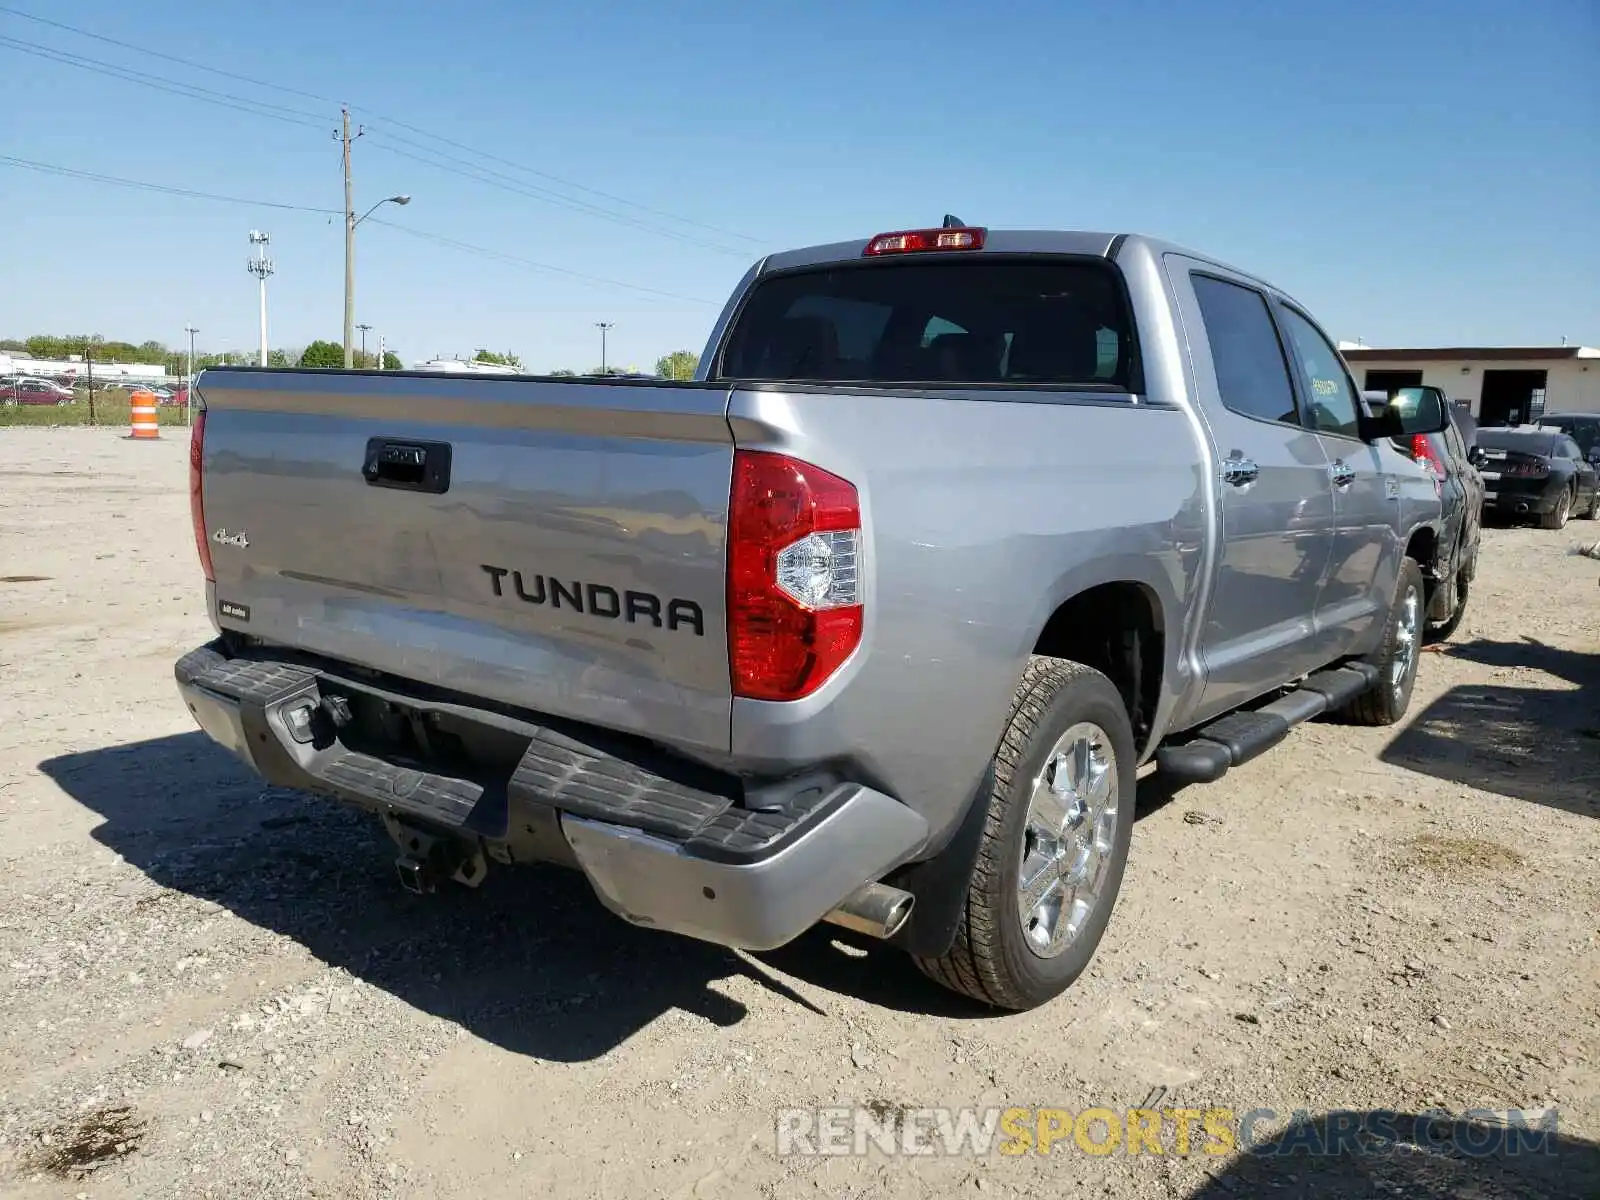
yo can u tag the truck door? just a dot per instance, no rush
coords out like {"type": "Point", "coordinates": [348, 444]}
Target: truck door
{"type": "Point", "coordinates": [1275, 497]}
{"type": "Point", "coordinates": [1360, 583]}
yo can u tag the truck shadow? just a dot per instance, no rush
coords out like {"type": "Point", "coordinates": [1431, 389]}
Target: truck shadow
{"type": "Point", "coordinates": [1527, 742]}
{"type": "Point", "coordinates": [1426, 1156]}
{"type": "Point", "coordinates": [530, 961]}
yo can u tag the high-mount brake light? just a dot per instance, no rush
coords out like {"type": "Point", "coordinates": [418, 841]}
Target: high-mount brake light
{"type": "Point", "coordinates": [795, 610]}
{"type": "Point", "coordinates": [197, 508]}
{"type": "Point", "coordinates": [917, 241]}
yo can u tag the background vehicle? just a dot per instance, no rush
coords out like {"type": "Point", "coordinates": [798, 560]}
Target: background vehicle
{"type": "Point", "coordinates": [871, 623]}
{"type": "Point", "coordinates": [35, 391]}
{"type": "Point", "coordinates": [1529, 471]}
{"type": "Point", "coordinates": [1583, 428]}
{"type": "Point", "coordinates": [1445, 456]}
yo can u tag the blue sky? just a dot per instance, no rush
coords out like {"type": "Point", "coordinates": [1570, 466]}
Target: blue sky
{"type": "Point", "coordinates": [1417, 173]}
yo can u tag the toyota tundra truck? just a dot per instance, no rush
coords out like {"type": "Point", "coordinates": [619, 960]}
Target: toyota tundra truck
{"type": "Point", "coordinates": [876, 622]}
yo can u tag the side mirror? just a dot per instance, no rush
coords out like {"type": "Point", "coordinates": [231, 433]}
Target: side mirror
{"type": "Point", "coordinates": [1413, 410]}
{"type": "Point", "coordinates": [1477, 456]}
{"type": "Point", "coordinates": [1594, 456]}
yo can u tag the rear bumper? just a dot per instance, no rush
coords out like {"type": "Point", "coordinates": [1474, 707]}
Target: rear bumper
{"type": "Point", "coordinates": [665, 844]}
{"type": "Point", "coordinates": [1521, 503]}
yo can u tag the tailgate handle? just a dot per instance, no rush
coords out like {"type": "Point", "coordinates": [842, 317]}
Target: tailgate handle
{"type": "Point", "coordinates": [407, 465]}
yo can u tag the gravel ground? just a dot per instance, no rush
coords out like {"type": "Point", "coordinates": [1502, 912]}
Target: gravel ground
{"type": "Point", "coordinates": [209, 987]}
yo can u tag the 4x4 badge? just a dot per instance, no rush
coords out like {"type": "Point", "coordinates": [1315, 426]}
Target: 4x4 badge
{"type": "Point", "coordinates": [223, 538]}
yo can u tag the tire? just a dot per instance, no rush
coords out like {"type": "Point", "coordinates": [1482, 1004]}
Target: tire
{"type": "Point", "coordinates": [994, 959]}
{"type": "Point", "coordinates": [1593, 510]}
{"type": "Point", "coordinates": [1556, 518]}
{"type": "Point", "coordinates": [1389, 698]}
{"type": "Point", "coordinates": [1442, 631]}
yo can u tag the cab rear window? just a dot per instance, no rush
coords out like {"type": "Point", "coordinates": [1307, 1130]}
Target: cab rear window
{"type": "Point", "coordinates": [985, 320]}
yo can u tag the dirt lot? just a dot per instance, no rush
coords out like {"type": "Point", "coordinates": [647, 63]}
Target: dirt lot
{"type": "Point", "coordinates": [212, 988]}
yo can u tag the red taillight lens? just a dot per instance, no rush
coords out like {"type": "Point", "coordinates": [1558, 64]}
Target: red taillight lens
{"type": "Point", "coordinates": [1422, 451]}
{"type": "Point", "coordinates": [197, 508]}
{"type": "Point", "coordinates": [913, 241]}
{"type": "Point", "coordinates": [794, 585]}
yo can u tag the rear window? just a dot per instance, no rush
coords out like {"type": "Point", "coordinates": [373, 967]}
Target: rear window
{"type": "Point", "coordinates": [1585, 433]}
{"type": "Point", "coordinates": [1020, 322]}
{"type": "Point", "coordinates": [1522, 441]}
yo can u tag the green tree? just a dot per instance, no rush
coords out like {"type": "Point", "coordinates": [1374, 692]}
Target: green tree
{"type": "Point", "coordinates": [680, 364]}
{"type": "Point", "coordinates": [391, 361]}
{"type": "Point", "coordinates": [563, 373]}
{"type": "Point", "coordinates": [323, 354]}
{"type": "Point", "coordinates": [507, 359]}
{"type": "Point", "coordinates": [277, 358]}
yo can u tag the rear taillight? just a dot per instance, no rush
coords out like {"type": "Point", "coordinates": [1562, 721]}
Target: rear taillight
{"type": "Point", "coordinates": [197, 508]}
{"type": "Point", "coordinates": [794, 584]}
{"type": "Point", "coordinates": [1422, 450]}
{"type": "Point", "coordinates": [914, 241]}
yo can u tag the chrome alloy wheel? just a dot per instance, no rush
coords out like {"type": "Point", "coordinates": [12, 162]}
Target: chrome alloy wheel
{"type": "Point", "coordinates": [1067, 839]}
{"type": "Point", "coordinates": [1406, 634]}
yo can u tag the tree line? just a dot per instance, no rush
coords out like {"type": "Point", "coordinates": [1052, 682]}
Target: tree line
{"type": "Point", "coordinates": [680, 364]}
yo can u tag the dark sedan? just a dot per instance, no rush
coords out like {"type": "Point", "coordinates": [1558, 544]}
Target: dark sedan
{"type": "Point", "coordinates": [1533, 472]}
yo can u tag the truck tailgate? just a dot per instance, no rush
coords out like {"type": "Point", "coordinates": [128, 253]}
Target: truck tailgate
{"type": "Point", "coordinates": [571, 563]}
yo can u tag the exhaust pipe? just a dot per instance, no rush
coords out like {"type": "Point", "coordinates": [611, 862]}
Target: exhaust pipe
{"type": "Point", "coordinates": [876, 910]}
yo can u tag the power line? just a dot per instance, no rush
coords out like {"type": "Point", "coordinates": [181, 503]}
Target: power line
{"type": "Point", "coordinates": [527, 170]}
{"type": "Point", "coordinates": [458, 166]}
{"type": "Point", "coordinates": [230, 101]}
{"type": "Point", "coordinates": [514, 260]}
{"type": "Point", "coordinates": [146, 186]}
{"type": "Point", "coordinates": [467, 247]}
{"type": "Point", "coordinates": [244, 104]}
{"type": "Point", "coordinates": [172, 58]}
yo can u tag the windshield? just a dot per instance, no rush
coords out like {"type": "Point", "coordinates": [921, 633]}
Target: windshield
{"type": "Point", "coordinates": [979, 321]}
{"type": "Point", "coordinates": [1523, 441]}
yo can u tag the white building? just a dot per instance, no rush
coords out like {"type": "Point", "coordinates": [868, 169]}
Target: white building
{"type": "Point", "coordinates": [1504, 384]}
{"type": "Point", "coordinates": [75, 368]}
{"type": "Point", "coordinates": [463, 366]}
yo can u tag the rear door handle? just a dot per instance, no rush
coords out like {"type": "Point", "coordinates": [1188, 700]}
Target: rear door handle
{"type": "Point", "coordinates": [1239, 471]}
{"type": "Point", "coordinates": [1343, 473]}
{"type": "Point", "coordinates": [407, 465]}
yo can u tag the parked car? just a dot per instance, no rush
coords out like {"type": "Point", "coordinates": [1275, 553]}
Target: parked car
{"type": "Point", "coordinates": [1531, 471]}
{"type": "Point", "coordinates": [872, 624]}
{"type": "Point", "coordinates": [36, 392]}
{"type": "Point", "coordinates": [1446, 457]}
{"type": "Point", "coordinates": [1583, 428]}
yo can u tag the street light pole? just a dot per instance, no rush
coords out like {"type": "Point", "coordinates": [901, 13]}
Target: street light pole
{"type": "Point", "coordinates": [189, 398]}
{"type": "Point", "coordinates": [363, 329]}
{"type": "Point", "coordinates": [350, 223]}
{"type": "Point", "coordinates": [603, 326]}
{"type": "Point", "coordinates": [261, 267]}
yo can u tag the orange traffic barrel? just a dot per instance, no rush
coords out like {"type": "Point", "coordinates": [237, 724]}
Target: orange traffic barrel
{"type": "Point", "coordinates": [142, 408]}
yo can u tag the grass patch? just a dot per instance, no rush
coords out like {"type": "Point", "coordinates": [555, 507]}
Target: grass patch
{"type": "Point", "coordinates": [110, 409]}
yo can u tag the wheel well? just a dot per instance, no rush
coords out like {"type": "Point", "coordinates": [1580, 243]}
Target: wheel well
{"type": "Point", "coordinates": [1423, 550]}
{"type": "Point", "coordinates": [1115, 628]}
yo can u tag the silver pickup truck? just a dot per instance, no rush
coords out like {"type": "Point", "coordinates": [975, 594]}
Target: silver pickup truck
{"type": "Point", "coordinates": [874, 622]}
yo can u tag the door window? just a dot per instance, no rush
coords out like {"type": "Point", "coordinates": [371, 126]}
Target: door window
{"type": "Point", "coordinates": [1327, 384]}
{"type": "Point", "coordinates": [1252, 376]}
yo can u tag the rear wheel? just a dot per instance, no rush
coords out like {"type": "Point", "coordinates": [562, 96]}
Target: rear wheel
{"type": "Point", "coordinates": [1442, 630]}
{"type": "Point", "coordinates": [1397, 655]}
{"type": "Point", "coordinates": [1556, 518]}
{"type": "Point", "coordinates": [1593, 510]}
{"type": "Point", "coordinates": [1060, 819]}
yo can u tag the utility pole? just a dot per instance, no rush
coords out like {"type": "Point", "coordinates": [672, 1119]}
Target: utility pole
{"type": "Point", "coordinates": [189, 396]}
{"type": "Point", "coordinates": [363, 329]}
{"type": "Point", "coordinates": [261, 267]}
{"type": "Point", "coordinates": [603, 326]}
{"type": "Point", "coordinates": [349, 245]}
{"type": "Point", "coordinates": [88, 362]}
